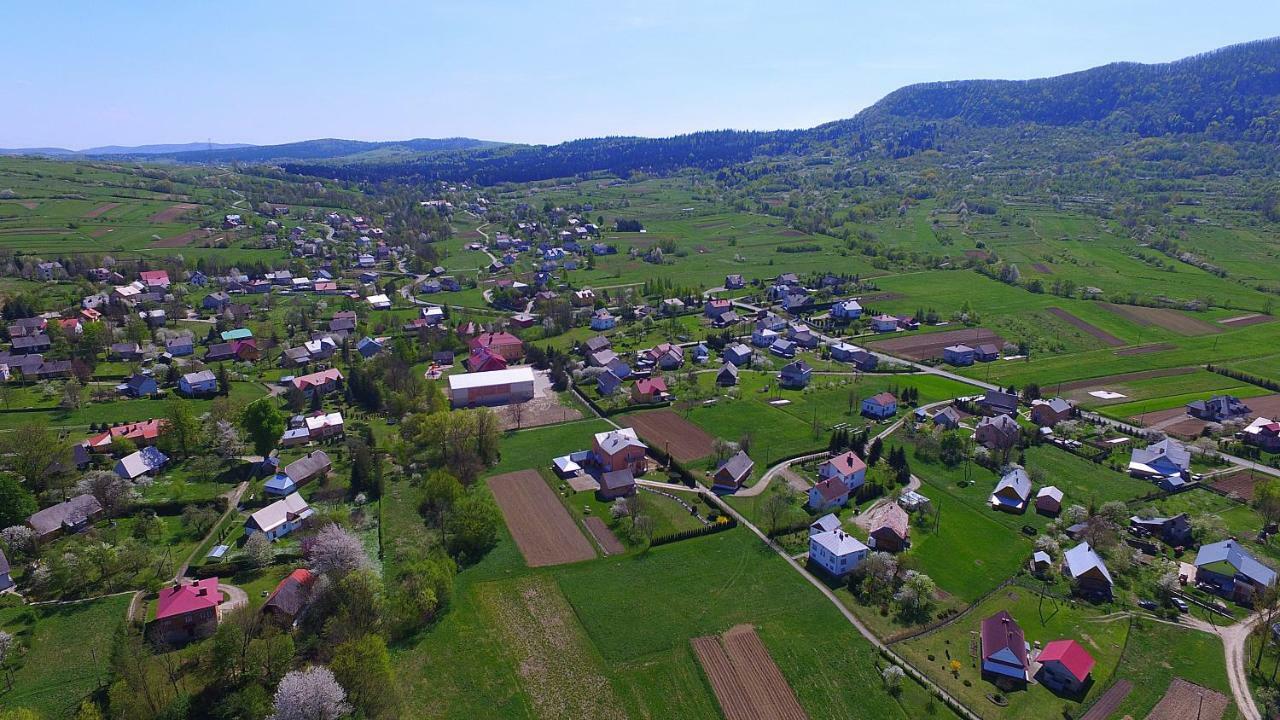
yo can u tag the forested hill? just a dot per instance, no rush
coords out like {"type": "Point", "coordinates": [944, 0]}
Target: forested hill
{"type": "Point", "coordinates": [328, 149]}
{"type": "Point", "coordinates": [1232, 93]}
{"type": "Point", "coordinates": [1231, 90]}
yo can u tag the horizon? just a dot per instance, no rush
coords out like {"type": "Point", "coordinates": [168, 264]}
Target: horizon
{"type": "Point", "coordinates": [255, 82]}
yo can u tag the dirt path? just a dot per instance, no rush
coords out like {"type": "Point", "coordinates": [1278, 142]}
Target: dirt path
{"type": "Point", "coordinates": [233, 499]}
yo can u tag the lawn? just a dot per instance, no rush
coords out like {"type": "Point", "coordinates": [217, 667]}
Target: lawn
{"type": "Point", "coordinates": [1156, 653]}
{"type": "Point", "coordinates": [1042, 619]}
{"type": "Point", "coordinates": [68, 650]}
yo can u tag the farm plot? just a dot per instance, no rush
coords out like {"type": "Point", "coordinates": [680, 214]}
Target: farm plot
{"type": "Point", "coordinates": [1146, 349]}
{"type": "Point", "coordinates": [930, 345]}
{"type": "Point", "coordinates": [558, 669]}
{"type": "Point", "coordinates": [172, 213]}
{"type": "Point", "coordinates": [101, 210]}
{"type": "Point", "coordinates": [603, 535]}
{"type": "Point", "coordinates": [184, 239]}
{"type": "Point", "coordinates": [671, 433]}
{"type": "Point", "coordinates": [540, 525]}
{"type": "Point", "coordinates": [1238, 484]}
{"type": "Point", "coordinates": [1246, 320]}
{"type": "Point", "coordinates": [745, 679]}
{"type": "Point", "coordinates": [1170, 320]}
{"type": "Point", "coordinates": [1101, 382]}
{"type": "Point", "coordinates": [1187, 700]}
{"type": "Point", "coordinates": [1102, 335]}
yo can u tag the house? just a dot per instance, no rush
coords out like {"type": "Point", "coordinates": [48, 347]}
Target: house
{"type": "Point", "coordinates": [187, 611]}
{"type": "Point", "coordinates": [649, 390]}
{"type": "Point", "coordinates": [312, 466]}
{"type": "Point", "coordinates": [1175, 531]}
{"type": "Point", "coordinates": [986, 352]}
{"type": "Point", "coordinates": [504, 344]}
{"type": "Point", "coordinates": [619, 449]}
{"type": "Point", "coordinates": [957, 355]}
{"type": "Point", "coordinates": [1167, 460]}
{"type": "Point", "coordinates": [728, 375]}
{"type": "Point", "coordinates": [1047, 413]}
{"type": "Point", "coordinates": [836, 552]}
{"type": "Point", "coordinates": [783, 347]}
{"type": "Point", "coordinates": [1049, 501]}
{"type": "Point", "coordinates": [140, 434]}
{"type": "Point", "coordinates": [1004, 650]}
{"type": "Point", "coordinates": [700, 353]}
{"type": "Point", "coordinates": [294, 437]}
{"type": "Point", "coordinates": [199, 383]}
{"type": "Point", "coordinates": [616, 483]}
{"type": "Point", "coordinates": [585, 297]}
{"type": "Point", "coordinates": [764, 337]}
{"type": "Point", "coordinates": [180, 346]}
{"type": "Point", "coordinates": [997, 433]}
{"type": "Point", "coordinates": [71, 516]}
{"type": "Point", "coordinates": [596, 343]}
{"type": "Point", "coordinates": [497, 387]}
{"type": "Point", "coordinates": [1087, 570]}
{"type": "Point", "coordinates": [1263, 433]}
{"type": "Point", "coordinates": [239, 350]}
{"type": "Point", "coordinates": [142, 462]}
{"type": "Point", "coordinates": [1218, 408]}
{"type": "Point", "coordinates": [47, 271]}
{"type": "Point", "coordinates": [27, 344]}
{"type": "Point", "coordinates": [607, 383]}
{"type": "Point", "coordinates": [602, 319]}
{"type": "Point", "coordinates": [237, 334]}
{"type": "Point", "coordinates": [671, 306]}
{"type": "Point", "coordinates": [1041, 561]}
{"type": "Point", "coordinates": [890, 528]}
{"type": "Point", "coordinates": [1064, 667]}
{"type": "Point", "coordinates": [846, 310]}
{"type": "Point", "coordinates": [827, 494]}
{"type": "Point", "coordinates": [279, 518]}
{"type": "Point", "coordinates": [880, 406]}
{"type": "Point", "coordinates": [734, 282]}
{"type": "Point", "coordinates": [715, 308]}
{"type": "Point", "coordinates": [322, 425]}
{"type": "Point", "coordinates": [846, 467]}
{"type": "Point", "coordinates": [154, 279]}
{"type": "Point", "coordinates": [216, 300]}
{"type": "Point", "coordinates": [320, 383]}
{"type": "Point", "coordinates": [736, 354]}
{"type": "Point", "coordinates": [1232, 570]}
{"type": "Point", "coordinates": [295, 357]}
{"type": "Point", "coordinates": [379, 302]}
{"type": "Point", "coordinates": [601, 358]}
{"type": "Point", "coordinates": [1012, 492]}
{"type": "Point", "coordinates": [665, 355]}
{"type": "Point", "coordinates": [733, 473]}
{"type": "Point", "coordinates": [800, 334]}
{"type": "Point", "coordinates": [139, 385]}
{"type": "Point", "coordinates": [826, 523]}
{"type": "Point", "coordinates": [484, 360]}
{"type": "Point", "coordinates": [947, 418]}
{"type": "Point", "coordinates": [884, 323]}
{"type": "Point", "coordinates": [343, 322]}
{"type": "Point", "coordinates": [996, 402]}
{"type": "Point", "coordinates": [287, 603]}
{"type": "Point", "coordinates": [126, 352]}
{"type": "Point", "coordinates": [795, 375]}
{"type": "Point", "coordinates": [6, 581]}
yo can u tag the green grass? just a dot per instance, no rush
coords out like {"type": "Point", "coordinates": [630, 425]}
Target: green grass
{"type": "Point", "coordinates": [68, 648]}
{"type": "Point", "coordinates": [1042, 620]}
{"type": "Point", "coordinates": [1157, 653]}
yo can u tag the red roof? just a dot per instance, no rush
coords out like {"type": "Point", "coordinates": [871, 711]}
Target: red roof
{"type": "Point", "coordinates": [485, 360]}
{"type": "Point", "coordinates": [182, 599]}
{"type": "Point", "coordinates": [648, 386]}
{"type": "Point", "coordinates": [495, 340]}
{"type": "Point", "coordinates": [154, 277]}
{"type": "Point", "coordinates": [304, 382]}
{"type": "Point", "coordinates": [831, 488]}
{"type": "Point", "coordinates": [145, 430]}
{"type": "Point", "coordinates": [1073, 657]}
{"type": "Point", "coordinates": [884, 398]}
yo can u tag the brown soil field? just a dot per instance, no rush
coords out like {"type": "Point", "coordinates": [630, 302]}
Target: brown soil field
{"type": "Point", "coordinates": [183, 239]}
{"type": "Point", "coordinates": [603, 535]}
{"type": "Point", "coordinates": [1267, 406]}
{"type": "Point", "coordinates": [538, 522]}
{"type": "Point", "coordinates": [976, 254]}
{"type": "Point", "coordinates": [1042, 268]}
{"type": "Point", "coordinates": [1246, 320]}
{"type": "Point", "coordinates": [537, 412]}
{"type": "Point", "coordinates": [1100, 382]}
{"type": "Point", "coordinates": [1144, 349]}
{"type": "Point", "coordinates": [105, 207]}
{"type": "Point", "coordinates": [930, 345]}
{"type": "Point", "coordinates": [99, 232]}
{"type": "Point", "coordinates": [667, 431]}
{"type": "Point", "coordinates": [746, 681]}
{"type": "Point", "coordinates": [880, 297]}
{"type": "Point", "coordinates": [1239, 484]}
{"type": "Point", "coordinates": [1110, 700]}
{"type": "Point", "coordinates": [557, 666]}
{"type": "Point", "coordinates": [173, 212]}
{"type": "Point", "coordinates": [1093, 330]}
{"type": "Point", "coordinates": [1170, 320]}
{"type": "Point", "coordinates": [1187, 700]}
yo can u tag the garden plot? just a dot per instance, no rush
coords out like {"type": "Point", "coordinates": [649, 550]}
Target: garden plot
{"type": "Point", "coordinates": [540, 525]}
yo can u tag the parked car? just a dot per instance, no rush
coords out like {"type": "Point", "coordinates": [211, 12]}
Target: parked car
{"type": "Point", "coordinates": [1147, 604]}
{"type": "Point", "coordinates": [1180, 604]}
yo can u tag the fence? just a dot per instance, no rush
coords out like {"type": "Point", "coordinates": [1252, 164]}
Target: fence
{"type": "Point", "coordinates": [711, 529]}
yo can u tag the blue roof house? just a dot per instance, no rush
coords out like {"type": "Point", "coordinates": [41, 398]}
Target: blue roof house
{"type": "Point", "coordinates": [281, 485]}
{"type": "Point", "coordinates": [602, 319]}
{"type": "Point", "coordinates": [1232, 570]}
{"type": "Point", "coordinates": [795, 375]}
{"type": "Point", "coordinates": [958, 355]}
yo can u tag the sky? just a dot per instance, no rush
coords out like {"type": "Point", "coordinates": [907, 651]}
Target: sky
{"type": "Point", "coordinates": [78, 74]}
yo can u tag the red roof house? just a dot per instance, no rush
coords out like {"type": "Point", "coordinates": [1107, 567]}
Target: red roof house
{"type": "Point", "coordinates": [323, 382]}
{"type": "Point", "coordinates": [141, 433]}
{"type": "Point", "coordinates": [505, 344]}
{"type": "Point", "coordinates": [187, 612]}
{"type": "Point", "coordinates": [485, 360]}
{"type": "Point", "coordinates": [1064, 666]}
{"type": "Point", "coordinates": [154, 278]}
{"type": "Point", "coordinates": [647, 390]}
{"type": "Point", "coordinates": [290, 598]}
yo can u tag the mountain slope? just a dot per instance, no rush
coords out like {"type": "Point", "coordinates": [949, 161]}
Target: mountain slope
{"type": "Point", "coordinates": [328, 148]}
{"type": "Point", "coordinates": [124, 149]}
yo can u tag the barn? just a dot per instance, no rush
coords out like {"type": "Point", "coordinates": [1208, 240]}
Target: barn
{"type": "Point", "coordinates": [499, 387]}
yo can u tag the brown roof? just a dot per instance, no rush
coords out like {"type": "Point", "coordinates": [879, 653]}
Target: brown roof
{"type": "Point", "coordinates": [891, 517]}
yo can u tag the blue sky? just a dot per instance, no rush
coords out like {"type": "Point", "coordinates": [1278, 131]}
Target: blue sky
{"type": "Point", "coordinates": [78, 74]}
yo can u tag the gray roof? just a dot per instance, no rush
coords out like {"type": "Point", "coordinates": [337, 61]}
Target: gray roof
{"type": "Point", "coordinates": [306, 467]}
{"type": "Point", "coordinates": [1229, 551]}
{"type": "Point", "coordinates": [51, 519]}
{"type": "Point", "coordinates": [617, 479]}
{"type": "Point", "coordinates": [1082, 558]}
{"type": "Point", "coordinates": [1172, 449]}
{"type": "Point", "coordinates": [199, 377]}
{"type": "Point", "coordinates": [1017, 480]}
{"type": "Point", "coordinates": [738, 465]}
{"type": "Point", "coordinates": [4, 563]}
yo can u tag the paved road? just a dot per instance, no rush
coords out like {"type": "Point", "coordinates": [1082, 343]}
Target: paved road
{"type": "Point", "coordinates": [1239, 461]}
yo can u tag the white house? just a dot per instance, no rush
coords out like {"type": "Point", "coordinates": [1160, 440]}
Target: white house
{"type": "Point", "coordinates": [379, 302]}
{"type": "Point", "coordinates": [279, 518]}
{"type": "Point", "coordinates": [836, 551]}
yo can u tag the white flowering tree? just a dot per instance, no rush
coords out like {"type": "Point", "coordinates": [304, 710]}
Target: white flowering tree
{"type": "Point", "coordinates": [311, 694]}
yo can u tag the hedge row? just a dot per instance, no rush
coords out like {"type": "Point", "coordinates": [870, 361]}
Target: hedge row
{"type": "Point", "coordinates": [711, 529]}
{"type": "Point", "coordinates": [1261, 382]}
